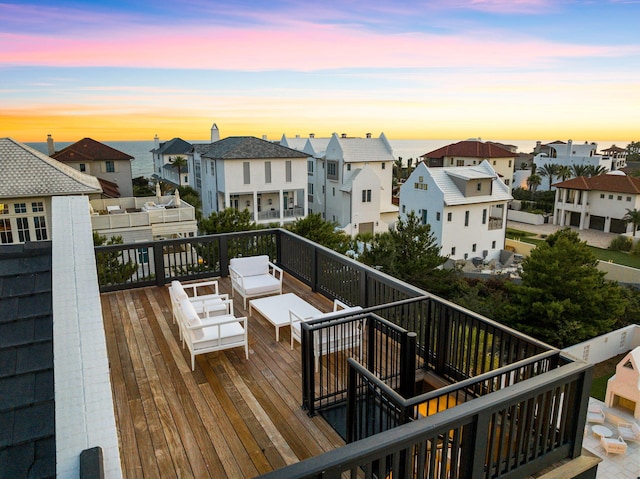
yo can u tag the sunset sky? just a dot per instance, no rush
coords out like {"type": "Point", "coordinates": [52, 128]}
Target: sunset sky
{"type": "Point", "coordinates": [443, 69]}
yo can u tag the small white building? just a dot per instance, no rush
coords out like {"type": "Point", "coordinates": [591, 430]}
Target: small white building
{"type": "Point", "coordinates": [599, 202]}
{"type": "Point", "coordinates": [466, 207]}
{"type": "Point", "coordinates": [245, 172]}
{"type": "Point", "coordinates": [350, 181]}
{"type": "Point", "coordinates": [164, 155]}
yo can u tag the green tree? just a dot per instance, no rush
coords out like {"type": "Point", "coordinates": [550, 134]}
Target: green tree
{"type": "Point", "coordinates": [633, 217]}
{"type": "Point", "coordinates": [564, 299]}
{"type": "Point", "coordinates": [112, 267]}
{"type": "Point", "coordinates": [323, 232]}
{"type": "Point", "coordinates": [180, 163]}
{"type": "Point", "coordinates": [633, 151]}
{"type": "Point", "coordinates": [228, 220]}
{"type": "Point", "coordinates": [410, 253]}
{"type": "Point", "coordinates": [564, 172]}
{"type": "Point", "coordinates": [579, 170]}
{"type": "Point", "coordinates": [141, 187]}
{"type": "Point", "coordinates": [593, 170]}
{"type": "Point", "coordinates": [191, 196]}
{"type": "Point", "coordinates": [549, 170]}
{"type": "Point", "coordinates": [397, 170]}
{"type": "Point", "coordinates": [533, 182]}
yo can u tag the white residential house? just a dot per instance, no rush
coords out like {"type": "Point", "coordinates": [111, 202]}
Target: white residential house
{"type": "Point", "coordinates": [599, 202]}
{"type": "Point", "coordinates": [28, 181]}
{"type": "Point", "coordinates": [466, 207]}
{"type": "Point", "coordinates": [163, 155]}
{"type": "Point", "coordinates": [350, 181]}
{"type": "Point", "coordinates": [570, 153]}
{"type": "Point", "coordinates": [245, 172]}
{"type": "Point", "coordinates": [473, 152]}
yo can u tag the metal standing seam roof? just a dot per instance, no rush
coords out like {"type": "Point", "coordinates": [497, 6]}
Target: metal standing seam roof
{"type": "Point", "coordinates": [365, 149]}
{"type": "Point", "coordinates": [452, 194]}
{"type": "Point", "coordinates": [25, 172]}
{"type": "Point", "coordinates": [245, 148]}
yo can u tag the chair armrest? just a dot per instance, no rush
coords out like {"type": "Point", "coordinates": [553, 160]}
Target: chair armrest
{"type": "Point", "coordinates": [296, 318]}
{"type": "Point", "coordinates": [218, 321]}
{"type": "Point", "coordinates": [194, 287]}
{"type": "Point", "coordinates": [236, 277]}
{"type": "Point", "coordinates": [275, 271]}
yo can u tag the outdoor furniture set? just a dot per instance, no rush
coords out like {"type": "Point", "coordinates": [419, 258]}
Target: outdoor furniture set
{"type": "Point", "coordinates": [207, 323]}
{"type": "Point", "coordinates": [627, 431]}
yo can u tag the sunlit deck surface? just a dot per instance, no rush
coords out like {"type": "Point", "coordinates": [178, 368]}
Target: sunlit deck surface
{"type": "Point", "coordinates": [228, 418]}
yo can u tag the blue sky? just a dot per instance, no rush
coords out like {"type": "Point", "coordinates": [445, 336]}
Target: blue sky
{"type": "Point", "coordinates": [523, 69]}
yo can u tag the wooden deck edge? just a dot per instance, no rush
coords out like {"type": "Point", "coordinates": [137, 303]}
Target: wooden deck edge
{"type": "Point", "coordinates": [572, 468]}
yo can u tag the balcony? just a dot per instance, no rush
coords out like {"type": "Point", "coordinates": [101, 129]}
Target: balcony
{"type": "Point", "coordinates": [495, 223]}
{"type": "Point", "coordinates": [445, 391]}
{"type": "Point", "coordinates": [274, 214]}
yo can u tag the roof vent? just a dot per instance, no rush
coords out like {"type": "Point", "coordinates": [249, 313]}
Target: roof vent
{"type": "Point", "coordinates": [368, 135]}
{"type": "Point", "coordinates": [344, 135]}
{"type": "Point", "coordinates": [312, 135]}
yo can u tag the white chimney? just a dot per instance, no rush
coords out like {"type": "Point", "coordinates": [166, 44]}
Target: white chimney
{"type": "Point", "coordinates": [264, 137]}
{"type": "Point", "coordinates": [312, 135]}
{"type": "Point", "coordinates": [368, 135]}
{"type": "Point", "coordinates": [344, 135]}
{"type": "Point", "coordinates": [51, 147]}
{"type": "Point", "coordinates": [156, 142]}
{"type": "Point", "coordinates": [215, 133]}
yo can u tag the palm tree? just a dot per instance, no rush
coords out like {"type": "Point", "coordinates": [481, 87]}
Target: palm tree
{"type": "Point", "coordinates": [579, 170]}
{"type": "Point", "coordinates": [549, 170]}
{"type": "Point", "coordinates": [592, 170]}
{"type": "Point", "coordinates": [564, 172]}
{"type": "Point", "coordinates": [397, 167]}
{"type": "Point", "coordinates": [533, 182]}
{"type": "Point", "coordinates": [633, 217]}
{"type": "Point", "coordinates": [178, 162]}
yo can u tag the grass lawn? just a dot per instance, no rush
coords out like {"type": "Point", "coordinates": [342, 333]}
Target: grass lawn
{"type": "Point", "coordinates": [617, 257]}
{"type": "Point", "coordinates": [599, 386]}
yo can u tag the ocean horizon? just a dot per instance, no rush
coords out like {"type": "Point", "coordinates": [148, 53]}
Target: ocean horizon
{"type": "Point", "coordinates": [142, 164]}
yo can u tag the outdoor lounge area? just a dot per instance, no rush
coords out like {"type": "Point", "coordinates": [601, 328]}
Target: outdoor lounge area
{"type": "Point", "coordinates": [416, 354]}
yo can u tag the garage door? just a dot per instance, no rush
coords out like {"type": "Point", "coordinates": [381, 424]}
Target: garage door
{"type": "Point", "coordinates": [575, 219]}
{"type": "Point", "coordinates": [618, 226]}
{"type": "Point", "coordinates": [596, 223]}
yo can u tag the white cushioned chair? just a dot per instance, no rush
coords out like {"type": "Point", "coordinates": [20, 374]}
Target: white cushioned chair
{"type": "Point", "coordinates": [254, 276]}
{"type": "Point", "coordinates": [332, 339]}
{"type": "Point", "coordinates": [629, 431]}
{"type": "Point", "coordinates": [211, 333]}
{"type": "Point", "coordinates": [613, 445]}
{"type": "Point", "coordinates": [193, 292]}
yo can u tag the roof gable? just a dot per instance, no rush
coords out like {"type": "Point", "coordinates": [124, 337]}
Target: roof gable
{"type": "Point", "coordinates": [88, 149]}
{"type": "Point", "coordinates": [46, 177]}
{"type": "Point", "coordinates": [175, 146]}
{"type": "Point", "coordinates": [470, 149]}
{"type": "Point", "coordinates": [246, 148]}
{"type": "Point", "coordinates": [353, 150]}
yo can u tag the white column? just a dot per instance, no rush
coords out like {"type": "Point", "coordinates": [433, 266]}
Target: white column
{"type": "Point", "coordinates": [281, 200]}
{"type": "Point", "coordinates": [255, 206]}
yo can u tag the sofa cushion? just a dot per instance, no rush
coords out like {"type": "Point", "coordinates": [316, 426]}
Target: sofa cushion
{"type": "Point", "coordinates": [251, 266]}
{"type": "Point", "coordinates": [191, 318]}
{"type": "Point", "coordinates": [260, 284]}
{"type": "Point", "coordinates": [230, 333]}
{"type": "Point", "coordinates": [215, 306]}
{"type": "Point", "coordinates": [178, 291]}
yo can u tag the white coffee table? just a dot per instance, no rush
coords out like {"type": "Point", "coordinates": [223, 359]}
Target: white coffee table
{"type": "Point", "coordinates": [601, 431]}
{"type": "Point", "coordinates": [275, 309]}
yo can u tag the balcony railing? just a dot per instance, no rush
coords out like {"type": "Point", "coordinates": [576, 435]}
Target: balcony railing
{"type": "Point", "coordinates": [524, 406]}
{"type": "Point", "coordinates": [275, 214]}
{"type": "Point", "coordinates": [495, 223]}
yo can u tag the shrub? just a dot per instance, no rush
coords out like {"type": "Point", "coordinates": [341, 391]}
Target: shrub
{"type": "Point", "coordinates": [635, 250]}
{"type": "Point", "coordinates": [621, 243]}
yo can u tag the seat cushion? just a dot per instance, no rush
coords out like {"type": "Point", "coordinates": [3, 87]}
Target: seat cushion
{"type": "Point", "coordinates": [230, 333]}
{"type": "Point", "coordinates": [178, 291]}
{"type": "Point", "coordinates": [261, 284]}
{"type": "Point", "coordinates": [251, 266]}
{"type": "Point", "coordinates": [215, 306]}
{"type": "Point", "coordinates": [191, 318]}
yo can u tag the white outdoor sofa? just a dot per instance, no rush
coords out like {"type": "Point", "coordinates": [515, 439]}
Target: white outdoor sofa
{"type": "Point", "coordinates": [193, 292]}
{"type": "Point", "coordinates": [254, 276]}
{"type": "Point", "coordinates": [629, 431]}
{"type": "Point", "coordinates": [613, 445]}
{"type": "Point", "coordinates": [595, 414]}
{"type": "Point", "coordinates": [211, 332]}
{"type": "Point", "coordinates": [332, 339]}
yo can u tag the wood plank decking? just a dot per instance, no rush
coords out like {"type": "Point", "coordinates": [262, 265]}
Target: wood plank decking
{"type": "Point", "coordinates": [228, 418]}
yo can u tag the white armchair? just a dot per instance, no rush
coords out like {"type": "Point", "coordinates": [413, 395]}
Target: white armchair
{"type": "Point", "coordinates": [254, 276]}
{"type": "Point", "coordinates": [193, 292]}
{"type": "Point", "coordinates": [595, 414]}
{"type": "Point", "coordinates": [212, 333]}
{"type": "Point", "coordinates": [629, 431]}
{"type": "Point", "coordinates": [613, 445]}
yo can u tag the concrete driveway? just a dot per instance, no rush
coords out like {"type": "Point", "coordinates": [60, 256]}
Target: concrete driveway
{"type": "Point", "coordinates": [596, 238]}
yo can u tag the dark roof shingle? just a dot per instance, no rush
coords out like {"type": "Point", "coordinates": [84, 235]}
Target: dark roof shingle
{"type": "Point", "coordinates": [247, 147]}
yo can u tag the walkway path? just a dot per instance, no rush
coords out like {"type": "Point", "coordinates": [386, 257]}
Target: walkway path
{"type": "Point", "coordinates": [595, 238]}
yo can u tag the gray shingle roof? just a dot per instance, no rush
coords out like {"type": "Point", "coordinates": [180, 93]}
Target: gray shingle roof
{"type": "Point", "coordinates": [26, 172]}
{"type": "Point", "coordinates": [175, 146]}
{"type": "Point", "coordinates": [247, 147]}
{"type": "Point", "coordinates": [27, 431]}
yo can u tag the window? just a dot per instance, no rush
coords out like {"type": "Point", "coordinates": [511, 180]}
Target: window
{"type": "Point", "coordinates": [4, 209]}
{"type": "Point", "coordinates": [246, 171]}
{"type": "Point", "coordinates": [384, 165]}
{"type": "Point", "coordinates": [619, 197]}
{"type": "Point", "coordinates": [437, 216]}
{"type": "Point", "coordinates": [466, 255]}
{"type": "Point", "coordinates": [37, 206]}
{"type": "Point", "coordinates": [143, 255]}
{"type": "Point", "coordinates": [493, 245]}
{"type": "Point", "coordinates": [466, 218]}
{"type": "Point", "coordinates": [453, 251]}
{"type": "Point", "coordinates": [420, 179]}
{"type": "Point", "coordinates": [420, 186]}
{"type": "Point", "coordinates": [484, 216]}
{"type": "Point", "coordinates": [267, 172]}
{"type": "Point", "coordinates": [287, 171]}
{"type": "Point", "coordinates": [404, 209]}
{"type": "Point", "coordinates": [479, 187]}
{"type": "Point", "coordinates": [610, 197]}
{"type": "Point", "coordinates": [334, 191]}
{"type": "Point", "coordinates": [449, 216]}
{"type": "Point", "coordinates": [332, 170]}
{"type": "Point", "coordinates": [424, 217]}
{"type": "Point", "coordinates": [5, 231]}
{"type": "Point", "coordinates": [23, 229]}
{"type": "Point", "coordinates": [601, 195]}
{"type": "Point", "coordinates": [309, 166]}
{"type": "Point", "coordinates": [459, 162]}
{"type": "Point", "coordinates": [349, 167]}
{"type": "Point", "coordinates": [40, 227]}
{"type": "Point", "coordinates": [310, 187]}
{"type": "Point", "coordinates": [628, 198]}
{"type": "Point", "coordinates": [186, 179]}
{"type": "Point", "coordinates": [509, 163]}
{"type": "Point", "coordinates": [109, 166]}
{"type": "Point", "coordinates": [507, 181]}
{"type": "Point", "coordinates": [83, 167]}
{"type": "Point", "coordinates": [20, 207]}
{"type": "Point", "coordinates": [473, 248]}
{"type": "Point", "coordinates": [366, 196]}
{"type": "Point", "coordinates": [494, 162]}
{"type": "Point", "coordinates": [213, 168]}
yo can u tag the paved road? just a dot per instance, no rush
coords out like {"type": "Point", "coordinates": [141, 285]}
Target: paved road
{"type": "Point", "coordinates": [592, 237]}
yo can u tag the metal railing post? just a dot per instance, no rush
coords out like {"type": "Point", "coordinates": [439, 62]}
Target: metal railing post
{"type": "Point", "coordinates": [408, 365]}
{"type": "Point", "coordinates": [158, 263]}
{"type": "Point", "coordinates": [352, 393]}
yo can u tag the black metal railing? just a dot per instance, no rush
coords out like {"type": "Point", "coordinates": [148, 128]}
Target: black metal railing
{"type": "Point", "coordinates": [513, 432]}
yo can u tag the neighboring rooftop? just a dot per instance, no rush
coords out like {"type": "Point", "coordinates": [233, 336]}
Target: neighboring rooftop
{"type": "Point", "coordinates": [470, 149]}
{"type": "Point", "coordinates": [25, 172]}
{"type": "Point", "coordinates": [246, 147]}
{"type": "Point", "coordinates": [27, 434]}
{"type": "Point", "coordinates": [175, 146]}
{"type": "Point", "coordinates": [616, 183]}
{"type": "Point", "coordinates": [88, 149]}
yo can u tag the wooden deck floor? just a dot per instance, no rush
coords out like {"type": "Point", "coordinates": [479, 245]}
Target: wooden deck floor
{"type": "Point", "coordinates": [228, 418]}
